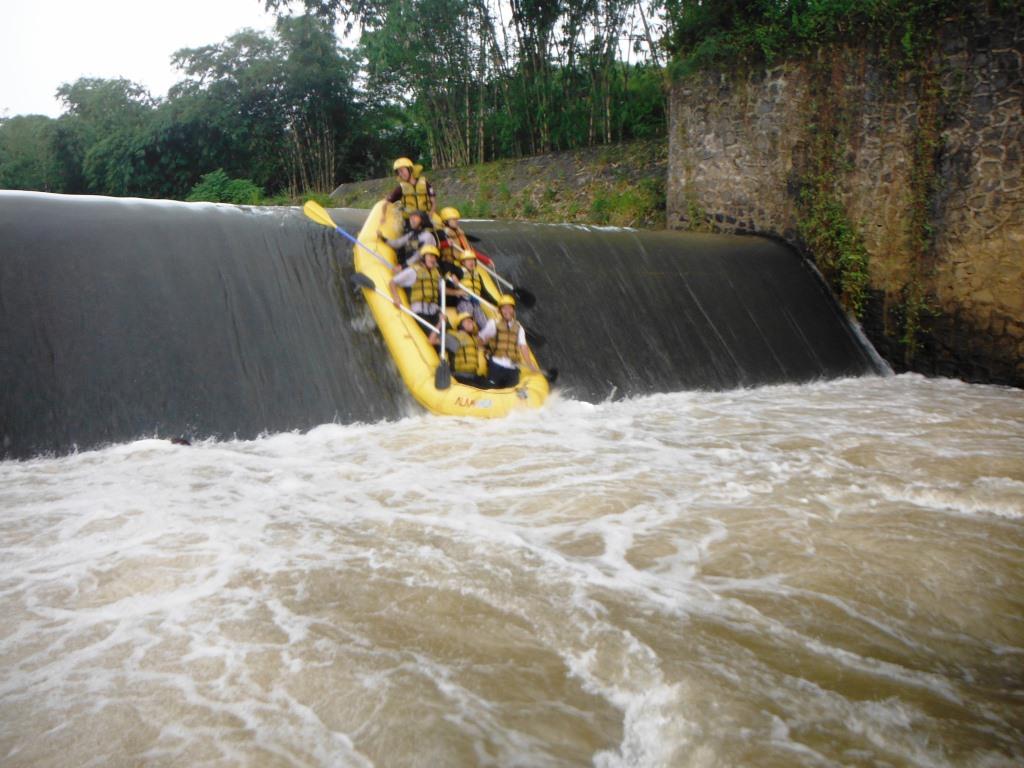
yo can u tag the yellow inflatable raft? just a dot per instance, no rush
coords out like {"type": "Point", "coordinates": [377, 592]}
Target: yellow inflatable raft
{"type": "Point", "coordinates": [415, 357]}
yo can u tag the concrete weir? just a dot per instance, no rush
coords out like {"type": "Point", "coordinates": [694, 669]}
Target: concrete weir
{"type": "Point", "coordinates": [123, 318]}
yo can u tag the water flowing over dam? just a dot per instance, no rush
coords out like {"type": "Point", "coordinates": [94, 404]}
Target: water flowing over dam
{"type": "Point", "coordinates": [128, 318]}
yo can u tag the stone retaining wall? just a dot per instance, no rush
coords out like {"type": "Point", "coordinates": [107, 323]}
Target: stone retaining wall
{"type": "Point", "coordinates": [742, 150]}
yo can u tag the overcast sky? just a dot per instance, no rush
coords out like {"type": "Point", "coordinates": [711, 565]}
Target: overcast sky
{"type": "Point", "coordinates": [44, 43]}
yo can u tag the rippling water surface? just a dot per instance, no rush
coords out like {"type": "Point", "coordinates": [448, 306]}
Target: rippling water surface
{"type": "Point", "coordinates": [804, 575]}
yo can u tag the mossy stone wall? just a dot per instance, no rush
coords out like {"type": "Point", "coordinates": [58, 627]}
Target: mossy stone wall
{"type": "Point", "coordinates": [922, 161]}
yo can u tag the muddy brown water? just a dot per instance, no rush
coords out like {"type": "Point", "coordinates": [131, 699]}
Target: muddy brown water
{"type": "Point", "coordinates": [823, 575]}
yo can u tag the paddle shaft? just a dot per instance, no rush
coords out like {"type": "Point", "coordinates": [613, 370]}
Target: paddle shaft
{"type": "Point", "coordinates": [366, 248]}
{"type": "Point", "coordinates": [485, 268]}
{"type": "Point", "coordinates": [441, 320]}
{"type": "Point", "coordinates": [443, 374]}
{"type": "Point", "coordinates": [519, 292]}
{"type": "Point", "coordinates": [497, 277]}
{"type": "Point", "coordinates": [481, 299]}
{"type": "Point", "coordinates": [402, 307]}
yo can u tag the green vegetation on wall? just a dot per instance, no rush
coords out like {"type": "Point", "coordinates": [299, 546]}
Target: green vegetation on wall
{"type": "Point", "coordinates": [835, 241]}
{"type": "Point", "coordinates": [916, 304]}
{"type": "Point", "coordinates": [708, 34]}
{"type": "Point", "coordinates": [837, 244]}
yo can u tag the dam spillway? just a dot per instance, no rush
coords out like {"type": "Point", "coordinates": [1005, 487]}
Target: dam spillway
{"type": "Point", "coordinates": [124, 318]}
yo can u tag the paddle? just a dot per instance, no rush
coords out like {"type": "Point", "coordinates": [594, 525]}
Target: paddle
{"type": "Point", "coordinates": [523, 296]}
{"type": "Point", "coordinates": [535, 339]}
{"type": "Point", "coordinates": [443, 374]}
{"type": "Point", "coordinates": [363, 281]}
{"type": "Point", "coordinates": [317, 213]}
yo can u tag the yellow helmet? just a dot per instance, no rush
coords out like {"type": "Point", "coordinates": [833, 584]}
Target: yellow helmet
{"type": "Point", "coordinates": [469, 253]}
{"type": "Point", "coordinates": [430, 249]}
{"type": "Point", "coordinates": [506, 300]}
{"type": "Point", "coordinates": [403, 162]}
{"type": "Point", "coordinates": [462, 316]}
{"type": "Point", "coordinates": [450, 213]}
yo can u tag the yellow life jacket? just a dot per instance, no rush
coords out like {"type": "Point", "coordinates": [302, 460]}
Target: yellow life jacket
{"type": "Point", "coordinates": [457, 236]}
{"type": "Point", "coordinates": [425, 289]}
{"type": "Point", "coordinates": [473, 280]}
{"type": "Point", "coordinates": [467, 359]}
{"type": "Point", "coordinates": [414, 194]}
{"type": "Point", "coordinates": [506, 342]}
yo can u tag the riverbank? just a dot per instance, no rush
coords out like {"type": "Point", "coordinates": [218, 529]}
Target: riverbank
{"type": "Point", "coordinates": [617, 184]}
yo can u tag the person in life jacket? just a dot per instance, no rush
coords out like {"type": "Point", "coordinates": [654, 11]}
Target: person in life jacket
{"type": "Point", "coordinates": [454, 236]}
{"type": "Point", "coordinates": [472, 280]}
{"type": "Point", "coordinates": [423, 281]}
{"type": "Point", "coordinates": [507, 342]}
{"type": "Point", "coordinates": [449, 263]}
{"type": "Point", "coordinates": [414, 192]}
{"type": "Point", "coordinates": [448, 268]}
{"type": "Point", "coordinates": [468, 363]}
{"type": "Point", "coordinates": [408, 246]}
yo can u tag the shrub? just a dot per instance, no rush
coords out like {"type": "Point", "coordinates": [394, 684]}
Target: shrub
{"type": "Point", "coordinates": [324, 199]}
{"type": "Point", "coordinates": [600, 208]}
{"type": "Point", "coordinates": [837, 245]}
{"type": "Point", "coordinates": [218, 187]}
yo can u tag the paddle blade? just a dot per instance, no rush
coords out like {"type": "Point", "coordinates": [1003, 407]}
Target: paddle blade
{"type": "Point", "coordinates": [524, 297]}
{"type": "Point", "coordinates": [484, 259]}
{"type": "Point", "coordinates": [318, 213]}
{"type": "Point", "coordinates": [362, 281]}
{"type": "Point", "coordinates": [551, 374]}
{"type": "Point", "coordinates": [443, 375]}
{"type": "Point", "coordinates": [535, 339]}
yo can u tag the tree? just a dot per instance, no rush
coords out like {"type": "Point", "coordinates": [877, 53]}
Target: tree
{"type": "Point", "coordinates": [282, 108]}
{"type": "Point", "coordinates": [319, 100]}
{"type": "Point", "coordinates": [99, 141]}
{"type": "Point", "coordinates": [231, 95]}
{"type": "Point", "coordinates": [424, 56]}
{"type": "Point", "coordinates": [493, 78]}
{"type": "Point", "coordinates": [28, 158]}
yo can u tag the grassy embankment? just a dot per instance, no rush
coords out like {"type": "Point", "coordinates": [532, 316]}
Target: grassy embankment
{"type": "Point", "coordinates": [620, 185]}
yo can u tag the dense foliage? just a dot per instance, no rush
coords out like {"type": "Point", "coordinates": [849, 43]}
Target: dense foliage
{"type": "Point", "coordinates": [506, 80]}
{"type": "Point", "coordinates": [449, 82]}
{"type": "Point", "coordinates": [715, 32]}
